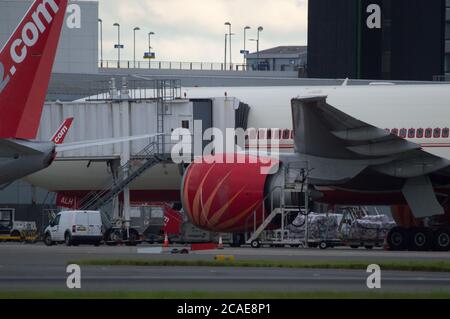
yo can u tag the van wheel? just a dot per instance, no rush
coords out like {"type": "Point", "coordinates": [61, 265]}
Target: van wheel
{"type": "Point", "coordinates": [48, 240]}
{"type": "Point", "coordinates": [256, 244]}
{"type": "Point", "coordinates": [68, 239]}
{"type": "Point", "coordinates": [323, 245]}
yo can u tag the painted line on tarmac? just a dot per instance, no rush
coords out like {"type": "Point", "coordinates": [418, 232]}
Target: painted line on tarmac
{"type": "Point", "coordinates": [198, 278]}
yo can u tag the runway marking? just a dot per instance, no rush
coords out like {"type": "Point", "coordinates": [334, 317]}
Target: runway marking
{"type": "Point", "coordinates": [198, 278]}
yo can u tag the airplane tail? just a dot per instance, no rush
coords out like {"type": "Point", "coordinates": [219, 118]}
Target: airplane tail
{"type": "Point", "coordinates": [62, 131]}
{"type": "Point", "coordinates": [26, 63]}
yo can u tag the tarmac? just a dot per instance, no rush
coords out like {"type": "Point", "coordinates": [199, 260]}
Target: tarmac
{"type": "Point", "coordinates": [40, 268]}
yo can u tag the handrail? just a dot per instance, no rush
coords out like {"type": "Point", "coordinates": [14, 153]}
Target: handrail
{"type": "Point", "coordinates": [262, 204]}
{"type": "Point", "coordinates": [287, 168]}
{"type": "Point", "coordinates": [93, 196]}
{"type": "Point", "coordinates": [172, 65]}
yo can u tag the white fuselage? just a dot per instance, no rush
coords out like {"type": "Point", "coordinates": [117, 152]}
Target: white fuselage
{"type": "Point", "coordinates": [403, 109]}
{"type": "Point", "coordinates": [398, 108]}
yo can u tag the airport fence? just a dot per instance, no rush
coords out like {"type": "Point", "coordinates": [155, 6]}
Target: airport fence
{"type": "Point", "coordinates": [441, 78]}
{"type": "Point", "coordinates": [171, 65]}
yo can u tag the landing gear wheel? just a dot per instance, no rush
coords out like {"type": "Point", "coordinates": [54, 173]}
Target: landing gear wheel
{"type": "Point", "coordinates": [48, 240]}
{"type": "Point", "coordinates": [441, 240]}
{"type": "Point", "coordinates": [420, 239]}
{"type": "Point", "coordinates": [68, 239]}
{"type": "Point", "coordinates": [398, 239]}
{"type": "Point", "coordinates": [323, 245]}
{"type": "Point", "coordinates": [256, 244]}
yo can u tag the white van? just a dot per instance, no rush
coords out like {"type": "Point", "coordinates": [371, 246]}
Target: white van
{"type": "Point", "coordinates": [74, 228]}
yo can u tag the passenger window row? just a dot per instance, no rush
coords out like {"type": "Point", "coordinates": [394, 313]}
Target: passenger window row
{"type": "Point", "coordinates": [269, 134]}
{"type": "Point", "coordinates": [421, 133]}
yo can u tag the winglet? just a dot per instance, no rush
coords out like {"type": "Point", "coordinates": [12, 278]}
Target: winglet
{"type": "Point", "coordinates": [26, 63]}
{"type": "Point", "coordinates": [62, 131]}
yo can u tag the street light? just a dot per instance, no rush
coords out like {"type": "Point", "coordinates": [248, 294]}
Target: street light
{"type": "Point", "coordinates": [260, 29]}
{"type": "Point", "coordinates": [245, 40]}
{"type": "Point", "coordinates": [255, 40]}
{"type": "Point", "coordinates": [229, 39]}
{"type": "Point", "coordinates": [101, 42]}
{"type": "Point", "coordinates": [225, 63]}
{"type": "Point", "coordinates": [150, 42]}
{"type": "Point", "coordinates": [118, 43]}
{"type": "Point", "coordinates": [149, 56]}
{"type": "Point", "coordinates": [134, 45]}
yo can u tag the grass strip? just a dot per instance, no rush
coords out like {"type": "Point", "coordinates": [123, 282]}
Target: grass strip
{"type": "Point", "coordinates": [207, 295]}
{"type": "Point", "coordinates": [426, 266]}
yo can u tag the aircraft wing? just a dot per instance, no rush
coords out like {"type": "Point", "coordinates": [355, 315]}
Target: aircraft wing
{"type": "Point", "coordinates": [339, 148]}
{"type": "Point", "coordinates": [11, 148]}
{"type": "Point", "coordinates": [102, 142]}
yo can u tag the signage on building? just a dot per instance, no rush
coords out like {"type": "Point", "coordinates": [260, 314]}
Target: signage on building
{"type": "Point", "coordinates": [119, 46]}
{"type": "Point", "coordinates": [149, 55]}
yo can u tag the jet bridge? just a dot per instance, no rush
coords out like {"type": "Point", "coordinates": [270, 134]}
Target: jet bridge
{"type": "Point", "coordinates": [111, 177]}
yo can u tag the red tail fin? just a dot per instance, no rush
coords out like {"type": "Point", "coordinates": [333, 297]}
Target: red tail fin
{"type": "Point", "coordinates": [61, 133]}
{"type": "Point", "coordinates": [26, 63]}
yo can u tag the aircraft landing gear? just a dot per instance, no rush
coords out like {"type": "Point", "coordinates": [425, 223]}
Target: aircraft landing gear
{"type": "Point", "coordinates": [419, 239]}
{"type": "Point", "coordinates": [397, 239]}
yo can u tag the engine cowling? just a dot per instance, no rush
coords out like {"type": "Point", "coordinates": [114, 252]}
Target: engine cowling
{"type": "Point", "coordinates": [222, 197]}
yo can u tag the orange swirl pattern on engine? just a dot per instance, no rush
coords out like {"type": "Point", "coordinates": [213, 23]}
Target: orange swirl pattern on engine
{"type": "Point", "coordinates": [223, 197]}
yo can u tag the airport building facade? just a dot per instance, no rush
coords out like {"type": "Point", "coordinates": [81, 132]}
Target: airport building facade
{"type": "Point", "coordinates": [281, 58]}
{"type": "Point", "coordinates": [78, 46]}
{"type": "Point", "coordinates": [379, 39]}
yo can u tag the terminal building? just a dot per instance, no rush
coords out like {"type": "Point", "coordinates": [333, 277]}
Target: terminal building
{"type": "Point", "coordinates": [282, 58]}
{"type": "Point", "coordinates": [379, 39]}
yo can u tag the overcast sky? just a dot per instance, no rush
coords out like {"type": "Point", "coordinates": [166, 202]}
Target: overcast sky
{"type": "Point", "coordinates": [194, 30]}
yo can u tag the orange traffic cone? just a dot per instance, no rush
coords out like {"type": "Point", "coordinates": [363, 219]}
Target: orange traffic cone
{"type": "Point", "coordinates": [166, 241]}
{"type": "Point", "coordinates": [220, 245]}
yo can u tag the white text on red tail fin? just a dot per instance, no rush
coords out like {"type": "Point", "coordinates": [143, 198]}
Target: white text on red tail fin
{"type": "Point", "coordinates": [61, 133]}
{"type": "Point", "coordinates": [26, 63]}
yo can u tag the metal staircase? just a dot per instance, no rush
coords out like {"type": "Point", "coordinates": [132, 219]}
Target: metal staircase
{"type": "Point", "coordinates": [129, 172]}
{"type": "Point", "coordinates": [256, 234]}
{"type": "Point", "coordinates": [295, 181]}
{"type": "Point", "coordinates": [165, 91]}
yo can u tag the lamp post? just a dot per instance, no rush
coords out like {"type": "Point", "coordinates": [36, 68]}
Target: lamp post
{"type": "Point", "coordinates": [150, 48]}
{"type": "Point", "coordinates": [134, 45]}
{"type": "Point", "coordinates": [101, 42]}
{"type": "Point", "coordinates": [118, 43]}
{"type": "Point", "coordinates": [229, 39]}
{"type": "Point", "coordinates": [255, 40]}
{"type": "Point", "coordinates": [225, 62]}
{"type": "Point", "coordinates": [150, 42]}
{"type": "Point", "coordinates": [260, 29]}
{"type": "Point", "coordinates": [245, 40]}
